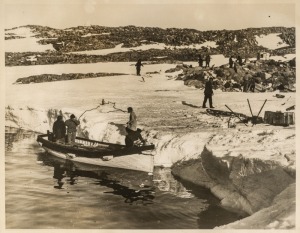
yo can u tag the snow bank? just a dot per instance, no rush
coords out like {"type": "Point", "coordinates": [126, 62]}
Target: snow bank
{"type": "Point", "coordinates": [94, 124]}
{"type": "Point", "coordinates": [251, 171]}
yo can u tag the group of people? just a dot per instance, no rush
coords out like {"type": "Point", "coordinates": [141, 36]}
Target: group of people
{"type": "Point", "coordinates": [201, 60]}
{"type": "Point", "coordinates": [61, 127]}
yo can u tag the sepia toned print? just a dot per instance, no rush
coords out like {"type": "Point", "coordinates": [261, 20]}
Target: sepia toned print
{"type": "Point", "coordinates": [149, 115]}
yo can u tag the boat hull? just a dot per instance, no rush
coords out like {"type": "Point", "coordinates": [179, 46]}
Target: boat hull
{"type": "Point", "coordinates": [138, 162]}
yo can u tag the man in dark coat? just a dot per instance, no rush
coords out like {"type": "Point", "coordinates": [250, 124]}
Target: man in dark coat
{"type": "Point", "coordinates": [138, 67]}
{"type": "Point", "coordinates": [208, 93]}
{"type": "Point", "coordinates": [200, 61]}
{"type": "Point", "coordinates": [59, 130]}
{"type": "Point", "coordinates": [207, 60]}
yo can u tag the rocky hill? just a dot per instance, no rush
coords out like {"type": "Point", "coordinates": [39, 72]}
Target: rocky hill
{"type": "Point", "coordinates": [86, 38]}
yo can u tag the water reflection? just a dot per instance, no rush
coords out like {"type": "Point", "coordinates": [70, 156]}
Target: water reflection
{"type": "Point", "coordinates": [14, 135]}
{"type": "Point", "coordinates": [122, 182]}
{"type": "Point", "coordinates": [133, 199]}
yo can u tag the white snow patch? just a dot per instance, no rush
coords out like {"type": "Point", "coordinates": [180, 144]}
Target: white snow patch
{"type": "Point", "coordinates": [270, 41]}
{"type": "Point", "coordinates": [161, 46]}
{"type": "Point", "coordinates": [27, 44]}
{"type": "Point", "coordinates": [95, 34]}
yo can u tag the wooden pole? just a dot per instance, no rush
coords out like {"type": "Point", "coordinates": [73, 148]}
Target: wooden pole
{"type": "Point", "coordinates": [236, 115]}
{"type": "Point", "coordinates": [250, 107]}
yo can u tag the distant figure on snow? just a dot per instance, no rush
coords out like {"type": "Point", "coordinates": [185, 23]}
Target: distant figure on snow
{"type": "Point", "coordinates": [59, 130]}
{"type": "Point", "coordinates": [72, 124]}
{"type": "Point", "coordinates": [200, 60]}
{"type": "Point", "coordinates": [252, 84]}
{"type": "Point", "coordinates": [208, 93]}
{"type": "Point", "coordinates": [207, 60]}
{"type": "Point", "coordinates": [138, 67]}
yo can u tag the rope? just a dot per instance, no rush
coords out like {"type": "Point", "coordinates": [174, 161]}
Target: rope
{"type": "Point", "coordinates": [103, 103]}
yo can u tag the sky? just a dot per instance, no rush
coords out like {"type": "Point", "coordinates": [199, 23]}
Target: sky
{"type": "Point", "coordinates": [196, 14]}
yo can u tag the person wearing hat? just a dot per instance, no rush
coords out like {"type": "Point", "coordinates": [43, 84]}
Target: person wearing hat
{"type": "Point", "coordinates": [208, 93]}
{"type": "Point", "coordinates": [59, 130]}
{"type": "Point", "coordinates": [72, 124]}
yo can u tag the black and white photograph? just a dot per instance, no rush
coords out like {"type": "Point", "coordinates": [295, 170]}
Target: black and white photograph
{"type": "Point", "coordinates": [148, 115]}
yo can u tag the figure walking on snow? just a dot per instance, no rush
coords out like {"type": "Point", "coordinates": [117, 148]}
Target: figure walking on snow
{"type": "Point", "coordinates": [138, 67]}
{"type": "Point", "coordinates": [208, 93]}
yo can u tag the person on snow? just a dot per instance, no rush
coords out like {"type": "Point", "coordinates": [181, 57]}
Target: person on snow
{"type": "Point", "coordinates": [208, 93]}
{"type": "Point", "coordinates": [138, 67]}
{"type": "Point", "coordinates": [207, 60]}
{"type": "Point", "coordinates": [200, 61]}
{"type": "Point", "coordinates": [59, 130]}
{"type": "Point", "coordinates": [72, 124]}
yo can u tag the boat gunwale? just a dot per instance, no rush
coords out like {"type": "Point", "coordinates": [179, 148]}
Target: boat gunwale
{"type": "Point", "coordinates": [84, 151]}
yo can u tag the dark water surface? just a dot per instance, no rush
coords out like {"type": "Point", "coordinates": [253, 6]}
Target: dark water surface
{"type": "Point", "coordinates": [43, 192]}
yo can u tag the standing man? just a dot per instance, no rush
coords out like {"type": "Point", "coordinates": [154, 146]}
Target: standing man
{"type": "Point", "coordinates": [208, 93]}
{"type": "Point", "coordinates": [207, 60]}
{"type": "Point", "coordinates": [72, 124]}
{"type": "Point", "coordinates": [59, 130]}
{"type": "Point", "coordinates": [200, 60]}
{"type": "Point", "coordinates": [138, 67]}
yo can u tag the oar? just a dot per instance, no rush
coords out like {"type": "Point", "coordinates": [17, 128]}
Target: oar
{"type": "Point", "coordinates": [235, 115]}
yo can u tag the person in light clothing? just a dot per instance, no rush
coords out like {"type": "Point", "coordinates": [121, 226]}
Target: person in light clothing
{"type": "Point", "coordinates": [132, 123]}
{"type": "Point", "coordinates": [72, 124]}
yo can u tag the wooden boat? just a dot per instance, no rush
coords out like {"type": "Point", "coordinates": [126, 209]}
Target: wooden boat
{"type": "Point", "coordinates": [100, 153]}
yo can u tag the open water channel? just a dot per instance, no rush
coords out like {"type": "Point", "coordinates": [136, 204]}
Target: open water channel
{"type": "Point", "coordinates": [42, 192]}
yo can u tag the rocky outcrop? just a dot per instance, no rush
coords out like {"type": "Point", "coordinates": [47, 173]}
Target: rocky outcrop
{"type": "Point", "coordinates": [55, 77]}
{"type": "Point", "coordinates": [229, 42]}
{"type": "Point", "coordinates": [268, 75]}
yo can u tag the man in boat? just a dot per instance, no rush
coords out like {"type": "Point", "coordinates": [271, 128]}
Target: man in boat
{"type": "Point", "coordinates": [59, 130]}
{"type": "Point", "coordinates": [72, 124]}
{"type": "Point", "coordinates": [133, 133]}
{"type": "Point", "coordinates": [132, 123]}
